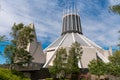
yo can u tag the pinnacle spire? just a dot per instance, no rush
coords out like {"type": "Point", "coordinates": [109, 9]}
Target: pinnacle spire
{"type": "Point", "coordinates": [70, 7]}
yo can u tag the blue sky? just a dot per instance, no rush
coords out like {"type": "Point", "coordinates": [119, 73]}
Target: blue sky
{"type": "Point", "coordinates": [98, 23]}
{"type": "Point", "coordinates": [3, 44]}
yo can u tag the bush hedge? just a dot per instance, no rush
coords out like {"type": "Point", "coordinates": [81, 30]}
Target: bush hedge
{"type": "Point", "coordinates": [6, 74]}
{"type": "Point", "coordinates": [55, 79]}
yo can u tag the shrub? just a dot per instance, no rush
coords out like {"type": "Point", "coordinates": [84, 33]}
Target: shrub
{"type": "Point", "coordinates": [55, 79]}
{"type": "Point", "coordinates": [49, 79]}
{"type": "Point", "coordinates": [6, 74]}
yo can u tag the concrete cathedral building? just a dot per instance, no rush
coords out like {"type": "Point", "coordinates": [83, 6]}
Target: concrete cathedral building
{"type": "Point", "coordinates": [35, 49]}
{"type": "Point", "coordinates": [72, 32]}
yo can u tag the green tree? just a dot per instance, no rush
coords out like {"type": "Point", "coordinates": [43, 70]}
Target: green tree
{"type": "Point", "coordinates": [115, 9]}
{"type": "Point", "coordinates": [114, 65]}
{"type": "Point", "coordinates": [74, 56]}
{"type": "Point", "coordinates": [59, 64]}
{"type": "Point", "coordinates": [22, 35]}
{"type": "Point", "coordinates": [97, 67]}
{"type": "Point", "coordinates": [15, 53]}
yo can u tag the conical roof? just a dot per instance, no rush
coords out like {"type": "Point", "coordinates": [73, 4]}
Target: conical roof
{"type": "Point", "coordinates": [90, 49]}
{"type": "Point", "coordinates": [70, 38]}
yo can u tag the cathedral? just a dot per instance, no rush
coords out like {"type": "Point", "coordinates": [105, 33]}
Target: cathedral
{"type": "Point", "coordinates": [71, 32]}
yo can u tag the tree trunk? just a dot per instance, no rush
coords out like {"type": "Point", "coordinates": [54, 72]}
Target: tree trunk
{"type": "Point", "coordinates": [98, 77]}
{"type": "Point", "coordinates": [11, 67]}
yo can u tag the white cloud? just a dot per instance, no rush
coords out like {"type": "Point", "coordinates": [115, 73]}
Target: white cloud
{"type": "Point", "coordinates": [101, 28]}
{"type": "Point", "coordinates": [114, 2]}
{"type": "Point", "coordinates": [104, 32]}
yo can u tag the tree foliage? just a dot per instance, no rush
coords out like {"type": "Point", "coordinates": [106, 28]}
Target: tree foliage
{"type": "Point", "coordinates": [97, 67]}
{"type": "Point", "coordinates": [59, 63]}
{"type": "Point", "coordinates": [22, 35]}
{"type": "Point", "coordinates": [6, 74]}
{"type": "Point", "coordinates": [114, 65]}
{"type": "Point", "coordinates": [115, 9]}
{"type": "Point", "coordinates": [74, 56]}
{"type": "Point", "coordinates": [66, 62]}
{"type": "Point", "coordinates": [2, 38]}
{"type": "Point", "coordinates": [15, 52]}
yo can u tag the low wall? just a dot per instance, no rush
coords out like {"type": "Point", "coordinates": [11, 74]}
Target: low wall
{"type": "Point", "coordinates": [37, 74]}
